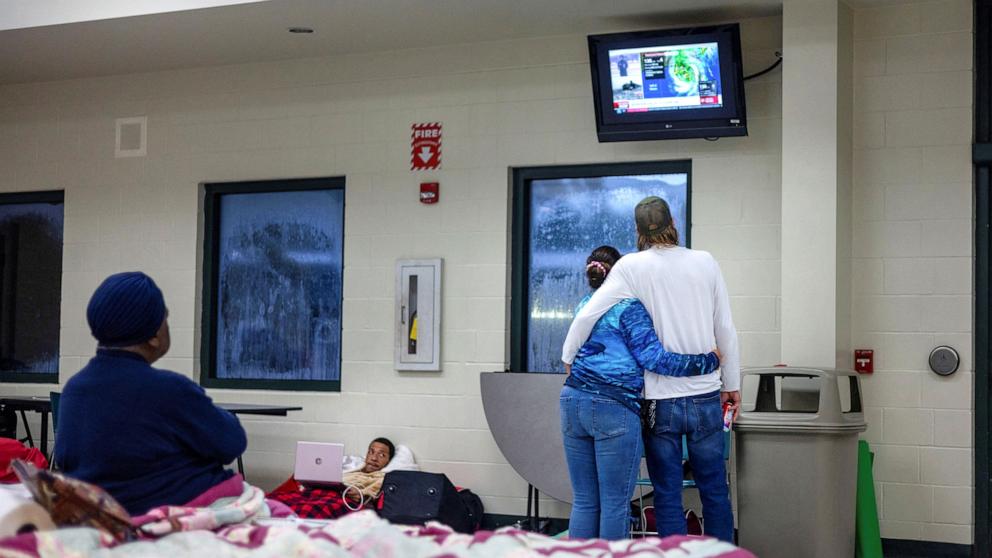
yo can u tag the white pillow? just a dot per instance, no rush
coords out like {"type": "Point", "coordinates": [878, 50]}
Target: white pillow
{"type": "Point", "coordinates": [402, 461]}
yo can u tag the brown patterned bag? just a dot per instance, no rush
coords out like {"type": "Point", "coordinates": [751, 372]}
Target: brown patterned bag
{"type": "Point", "coordinates": [72, 502]}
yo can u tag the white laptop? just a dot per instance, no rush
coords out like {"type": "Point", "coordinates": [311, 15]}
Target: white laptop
{"type": "Point", "coordinates": [318, 462]}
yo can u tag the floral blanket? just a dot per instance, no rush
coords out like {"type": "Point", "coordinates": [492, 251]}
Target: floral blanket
{"type": "Point", "coordinates": [361, 534]}
{"type": "Point", "coordinates": [230, 502]}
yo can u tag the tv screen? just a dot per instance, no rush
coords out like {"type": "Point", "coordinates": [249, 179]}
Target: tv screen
{"type": "Point", "coordinates": [668, 84]}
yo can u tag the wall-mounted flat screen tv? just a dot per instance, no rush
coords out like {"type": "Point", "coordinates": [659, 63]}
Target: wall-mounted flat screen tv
{"type": "Point", "coordinates": [668, 84]}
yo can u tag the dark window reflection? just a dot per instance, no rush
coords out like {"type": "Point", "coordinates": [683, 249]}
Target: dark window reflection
{"type": "Point", "coordinates": [279, 289]}
{"type": "Point", "coordinates": [30, 283]}
{"type": "Point", "coordinates": [570, 217]}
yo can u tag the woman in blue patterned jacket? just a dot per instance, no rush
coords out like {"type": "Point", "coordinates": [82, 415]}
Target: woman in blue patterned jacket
{"type": "Point", "coordinates": [600, 407]}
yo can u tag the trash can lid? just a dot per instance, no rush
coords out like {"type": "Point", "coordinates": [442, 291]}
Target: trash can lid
{"type": "Point", "coordinates": [799, 399]}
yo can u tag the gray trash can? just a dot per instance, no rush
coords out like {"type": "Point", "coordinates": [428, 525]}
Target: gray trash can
{"type": "Point", "coordinates": [797, 461]}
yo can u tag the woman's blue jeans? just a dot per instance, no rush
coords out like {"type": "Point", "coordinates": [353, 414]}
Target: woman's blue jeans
{"type": "Point", "coordinates": [603, 449]}
{"type": "Point", "coordinates": [699, 418]}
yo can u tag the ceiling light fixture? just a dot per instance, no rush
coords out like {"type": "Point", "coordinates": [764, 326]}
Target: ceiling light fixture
{"type": "Point", "coordinates": [303, 30]}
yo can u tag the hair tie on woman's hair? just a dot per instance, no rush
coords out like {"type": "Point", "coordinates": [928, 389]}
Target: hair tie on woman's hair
{"type": "Point", "coordinates": [605, 268]}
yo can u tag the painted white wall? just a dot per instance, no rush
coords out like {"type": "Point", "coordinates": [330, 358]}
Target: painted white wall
{"type": "Point", "coordinates": [816, 91]}
{"type": "Point", "coordinates": [912, 260]}
{"type": "Point", "coordinates": [502, 104]}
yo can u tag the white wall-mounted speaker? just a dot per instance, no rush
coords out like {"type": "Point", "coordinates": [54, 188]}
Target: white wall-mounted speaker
{"type": "Point", "coordinates": [132, 137]}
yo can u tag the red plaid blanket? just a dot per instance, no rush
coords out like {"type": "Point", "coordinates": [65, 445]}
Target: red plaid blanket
{"type": "Point", "coordinates": [325, 502]}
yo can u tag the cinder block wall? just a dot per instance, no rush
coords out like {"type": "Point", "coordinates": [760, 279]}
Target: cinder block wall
{"type": "Point", "coordinates": [913, 248]}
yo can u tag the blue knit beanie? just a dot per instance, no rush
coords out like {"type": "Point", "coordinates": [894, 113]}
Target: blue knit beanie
{"type": "Point", "coordinates": [126, 309]}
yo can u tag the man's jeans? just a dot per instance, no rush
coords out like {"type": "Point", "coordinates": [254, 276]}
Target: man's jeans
{"type": "Point", "coordinates": [699, 418]}
{"type": "Point", "coordinates": [603, 449]}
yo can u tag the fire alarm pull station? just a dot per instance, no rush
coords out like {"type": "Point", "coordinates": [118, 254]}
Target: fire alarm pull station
{"type": "Point", "coordinates": [864, 361]}
{"type": "Point", "coordinates": [430, 192]}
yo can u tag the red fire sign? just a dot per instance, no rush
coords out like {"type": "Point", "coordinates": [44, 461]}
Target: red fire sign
{"type": "Point", "coordinates": [426, 146]}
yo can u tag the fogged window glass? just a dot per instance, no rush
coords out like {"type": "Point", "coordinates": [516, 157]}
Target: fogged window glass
{"type": "Point", "coordinates": [30, 287]}
{"type": "Point", "coordinates": [570, 217]}
{"type": "Point", "coordinates": [279, 290]}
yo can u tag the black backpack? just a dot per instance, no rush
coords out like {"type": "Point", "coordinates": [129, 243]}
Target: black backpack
{"type": "Point", "coordinates": [474, 506]}
{"type": "Point", "coordinates": [415, 497]}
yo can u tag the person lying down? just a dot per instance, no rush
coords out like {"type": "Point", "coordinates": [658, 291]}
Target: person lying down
{"type": "Point", "coordinates": [363, 480]}
{"type": "Point", "coordinates": [360, 486]}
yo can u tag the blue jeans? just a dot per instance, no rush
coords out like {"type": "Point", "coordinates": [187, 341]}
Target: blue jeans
{"type": "Point", "coordinates": [603, 449]}
{"type": "Point", "coordinates": [699, 418]}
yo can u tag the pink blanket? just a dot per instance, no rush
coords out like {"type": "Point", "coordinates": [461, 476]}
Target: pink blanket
{"type": "Point", "coordinates": [230, 502]}
{"type": "Point", "coordinates": [358, 535]}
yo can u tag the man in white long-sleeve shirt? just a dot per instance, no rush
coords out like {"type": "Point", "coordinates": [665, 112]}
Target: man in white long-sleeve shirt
{"type": "Point", "coordinates": [684, 292]}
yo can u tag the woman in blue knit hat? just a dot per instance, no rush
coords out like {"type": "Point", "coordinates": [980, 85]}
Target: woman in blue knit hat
{"type": "Point", "coordinates": [149, 437]}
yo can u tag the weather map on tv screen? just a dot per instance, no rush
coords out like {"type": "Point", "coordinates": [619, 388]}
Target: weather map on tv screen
{"type": "Point", "coordinates": [666, 78]}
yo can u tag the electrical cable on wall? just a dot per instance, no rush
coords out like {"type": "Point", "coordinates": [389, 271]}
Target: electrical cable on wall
{"type": "Point", "coordinates": [778, 55]}
{"type": "Point", "coordinates": [778, 62]}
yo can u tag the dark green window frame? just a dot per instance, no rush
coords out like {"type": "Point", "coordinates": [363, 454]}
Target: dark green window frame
{"type": "Point", "coordinates": [521, 178]}
{"type": "Point", "coordinates": [211, 255]}
{"type": "Point", "coordinates": [53, 197]}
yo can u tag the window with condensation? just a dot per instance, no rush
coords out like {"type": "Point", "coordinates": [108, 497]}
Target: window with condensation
{"type": "Point", "coordinates": [273, 267]}
{"type": "Point", "coordinates": [31, 225]}
{"type": "Point", "coordinates": [560, 214]}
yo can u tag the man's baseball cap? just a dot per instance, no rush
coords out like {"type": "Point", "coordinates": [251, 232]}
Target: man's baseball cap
{"type": "Point", "coordinates": [652, 216]}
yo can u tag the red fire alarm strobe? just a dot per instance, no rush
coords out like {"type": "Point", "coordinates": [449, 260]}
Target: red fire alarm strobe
{"type": "Point", "coordinates": [430, 192]}
{"type": "Point", "coordinates": [864, 361]}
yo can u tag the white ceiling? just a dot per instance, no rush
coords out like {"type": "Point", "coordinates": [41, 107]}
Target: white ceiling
{"type": "Point", "coordinates": [20, 14]}
{"type": "Point", "coordinates": [256, 31]}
